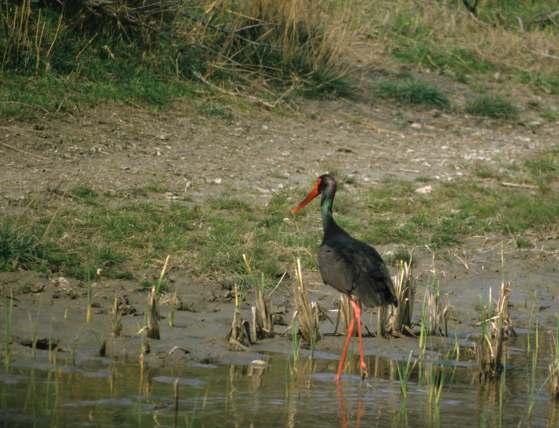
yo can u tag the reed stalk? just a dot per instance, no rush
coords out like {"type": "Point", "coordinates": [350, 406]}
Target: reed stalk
{"type": "Point", "coordinates": [152, 330]}
{"type": "Point", "coordinates": [496, 326]}
{"type": "Point", "coordinates": [307, 312]}
{"type": "Point", "coordinates": [554, 365]}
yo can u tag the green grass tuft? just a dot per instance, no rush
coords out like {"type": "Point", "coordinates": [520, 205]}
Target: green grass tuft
{"type": "Point", "coordinates": [492, 106]}
{"type": "Point", "coordinates": [412, 91]}
{"type": "Point", "coordinates": [457, 61]}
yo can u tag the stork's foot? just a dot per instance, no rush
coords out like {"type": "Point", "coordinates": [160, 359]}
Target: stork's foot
{"type": "Point", "coordinates": [364, 371]}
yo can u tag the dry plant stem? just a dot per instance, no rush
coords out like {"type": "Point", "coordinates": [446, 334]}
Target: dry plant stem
{"type": "Point", "coordinates": [307, 314]}
{"type": "Point", "coordinates": [496, 328]}
{"type": "Point", "coordinates": [117, 318]}
{"type": "Point", "coordinates": [435, 313]}
{"type": "Point", "coordinates": [398, 320]}
{"type": "Point", "coordinates": [176, 394]}
{"type": "Point", "coordinates": [264, 325]}
{"type": "Point", "coordinates": [239, 334]}
{"type": "Point", "coordinates": [382, 322]}
{"type": "Point", "coordinates": [152, 330]}
{"type": "Point", "coordinates": [253, 333]}
{"type": "Point", "coordinates": [261, 325]}
{"type": "Point", "coordinates": [249, 97]}
{"type": "Point", "coordinates": [501, 319]}
{"type": "Point", "coordinates": [401, 316]}
{"type": "Point", "coordinates": [344, 314]}
{"type": "Point", "coordinates": [174, 303]}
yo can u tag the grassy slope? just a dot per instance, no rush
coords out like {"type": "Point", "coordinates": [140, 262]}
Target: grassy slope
{"type": "Point", "coordinates": [93, 230]}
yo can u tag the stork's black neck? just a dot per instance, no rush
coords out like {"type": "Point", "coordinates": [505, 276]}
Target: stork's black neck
{"type": "Point", "coordinates": [329, 225]}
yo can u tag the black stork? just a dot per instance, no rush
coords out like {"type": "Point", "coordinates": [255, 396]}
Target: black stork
{"type": "Point", "coordinates": [350, 266]}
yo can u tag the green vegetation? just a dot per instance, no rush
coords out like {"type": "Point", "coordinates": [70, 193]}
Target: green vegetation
{"type": "Point", "coordinates": [509, 39]}
{"type": "Point", "coordinates": [64, 56]}
{"type": "Point", "coordinates": [77, 236]}
{"type": "Point", "coordinates": [492, 106]}
{"type": "Point", "coordinates": [61, 56]}
{"type": "Point", "coordinates": [411, 91]}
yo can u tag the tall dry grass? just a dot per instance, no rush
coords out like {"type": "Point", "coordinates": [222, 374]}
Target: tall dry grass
{"type": "Point", "coordinates": [288, 42]}
{"type": "Point", "coordinates": [274, 46]}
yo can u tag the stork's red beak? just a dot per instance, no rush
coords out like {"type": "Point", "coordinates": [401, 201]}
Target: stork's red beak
{"type": "Point", "coordinates": [312, 194]}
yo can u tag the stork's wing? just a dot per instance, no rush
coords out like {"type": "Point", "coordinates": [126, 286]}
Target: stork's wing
{"type": "Point", "coordinates": [356, 268]}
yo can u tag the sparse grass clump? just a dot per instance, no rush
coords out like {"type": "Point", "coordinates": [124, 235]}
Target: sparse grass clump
{"type": "Point", "coordinates": [411, 91]}
{"type": "Point", "coordinates": [21, 247]}
{"type": "Point", "coordinates": [492, 106]}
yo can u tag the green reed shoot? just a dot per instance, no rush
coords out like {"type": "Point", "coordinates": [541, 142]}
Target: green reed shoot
{"type": "Point", "coordinates": [436, 383]}
{"type": "Point", "coordinates": [454, 353]}
{"type": "Point", "coordinates": [532, 390]}
{"type": "Point", "coordinates": [502, 392]}
{"type": "Point", "coordinates": [295, 341]}
{"type": "Point", "coordinates": [8, 329]}
{"type": "Point", "coordinates": [422, 337]}
{"type": "Point", "coordinates": [531, 321]}
{"type": "Point", "coordinates": [404, 373]}
{"type": "Point", "coordinates": [152, 330]}
{"type": "Point", "coordinates": [554, 366]}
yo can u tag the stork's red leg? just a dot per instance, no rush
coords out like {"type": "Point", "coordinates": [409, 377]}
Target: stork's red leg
{"type": "Point", "coordinates": [357, 310]}
{"type": "Point", "coordinates": [344, 351]}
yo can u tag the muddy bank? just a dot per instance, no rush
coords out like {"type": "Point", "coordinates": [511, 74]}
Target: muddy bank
{"type": "Point", "coordinates": [51, 311]}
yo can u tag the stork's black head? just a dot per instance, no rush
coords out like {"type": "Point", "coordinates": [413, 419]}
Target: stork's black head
{"type": "Point", "coordinates": [325, 186]}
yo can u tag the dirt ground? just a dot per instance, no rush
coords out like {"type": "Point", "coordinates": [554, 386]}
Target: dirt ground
{"type": "Point", "coordinates": [251, 156]}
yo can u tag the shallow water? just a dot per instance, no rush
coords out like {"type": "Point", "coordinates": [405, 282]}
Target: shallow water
{"type": "Point", "coordinates": [283, 393]}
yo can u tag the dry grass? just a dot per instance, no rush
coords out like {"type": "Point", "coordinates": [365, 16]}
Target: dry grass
{"type": "Point", "coordinates": [307, 312]}
{"type": "Point", "coordinates": [293, 43]}
{"type": "Point", "coordinates": [261, 325]}
{"type": "Point", "coordinates": [399, 319]}
{"type": "Point", "coordinates": [152, 328]}
{"type": "Point", "coordinates": [344, 313]}
{"type": "Point", "coordinates": [435, 310]}
{"type": "Point", "coordinates": [116, 319]}
{"type": "Point", "coordinates": [496, 327]}
{"type": "Point", "coordinates": [264, 325]}
{"type": "Point", "coordinates": [239, 334]}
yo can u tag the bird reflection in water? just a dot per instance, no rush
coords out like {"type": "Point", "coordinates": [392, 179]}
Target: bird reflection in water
{"type": "Point", "coordinates": [342, 409]}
